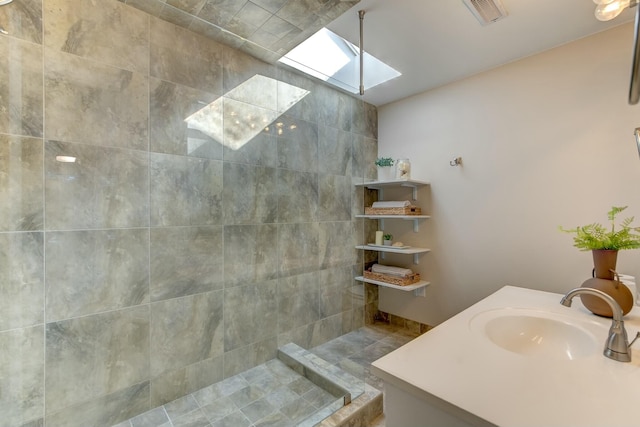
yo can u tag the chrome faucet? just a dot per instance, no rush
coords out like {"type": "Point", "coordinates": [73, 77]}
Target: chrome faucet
{"type": "Point", "coordinates": [617, 344]}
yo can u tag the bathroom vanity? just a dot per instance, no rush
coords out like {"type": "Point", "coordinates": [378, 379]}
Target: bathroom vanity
{"type": "Point", "coordinates": [516, 358]}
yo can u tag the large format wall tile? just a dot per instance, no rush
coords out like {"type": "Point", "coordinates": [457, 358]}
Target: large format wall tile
{"type": "Point", "coordinates": [298, 248]}
{"type": "Point", "coordinates": [337, 243]}
{"type": "Point", "coordinates": [21, 280]}
{"type": "Point", "coordinates": [105, 31]}
{"type": "Point", "coordinates": [250, 194]}
{"type": "Point", "coordinates": [185, 191]}
{"type": "Point", "coordinates": [21, 190]}
{"type": "Point", "coordinates": [183, 57]}
{"type": "Point", "coordinates": [20, 87]}
{"type": "Point", "coordinates": [97, 355]}
{"type": "Point", "coordinates": [94, 271]}
{"type": "Point", "coordinates": [105, 410]}
{"type": "Point", "coordinates": [185, 331]}
{"type": "Point", "coordinates": [334, 151]}
{"type": "Point", "coordinates": [333, 286]}
{"type": "Point", "coordinates": [364, 119]}
{"type": "Point", "coordinates": [297, 145]}
{"type": "Point", "coordinates": [185, 121]}
{"type": "Point", "coordinates": [297, 196]}
{"type": "Point", "coordinates": [247, 357]}
{"type": "Point", "coordinates": [174, 384]}
{"type": "Point", "coordinates": [186, 261]}
{"type": "Point", "coordinates": [21, 376]}
{"type": "Point", "coordinates": [251, 313]}
{"type": "Point", "coordinates": [250, 254]}
{"type": "Point", "coordinates": [95, 104]}
{"type": "Point", "coordinates": [298, 301]}
{"type": "Point", "coordinates": [261, 149]}
{"type": "Point", "coordinates": [364, 154]}
{"type": "Point", "coordinates": [334, 202]}
{"type": "Point", "coordinates": [105, 187]}
{"type": "Point", "coordinates": [23, 20]}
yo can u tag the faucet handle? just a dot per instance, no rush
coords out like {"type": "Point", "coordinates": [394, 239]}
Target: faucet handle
{"type": "Point", "coordinates": [634, 340]}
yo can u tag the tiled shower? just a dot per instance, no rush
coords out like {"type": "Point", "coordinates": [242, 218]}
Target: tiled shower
{"type": "Point", "coordinates": [208, 217]}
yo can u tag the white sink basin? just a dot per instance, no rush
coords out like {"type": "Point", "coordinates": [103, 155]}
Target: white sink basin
{"type": "Point", "coordinates": [535, 333]}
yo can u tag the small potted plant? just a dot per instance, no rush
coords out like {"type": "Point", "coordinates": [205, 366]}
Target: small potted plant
{"type": "Point", "coordinates": [385, 168]}
{"type": "Point", "coordinates": [387, 239]}
{"type": "Point", "coordinates": [605, 243]}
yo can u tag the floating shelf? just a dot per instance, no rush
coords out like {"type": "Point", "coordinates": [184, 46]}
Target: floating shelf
{"type": "Point", "coordinates": [413, 218]}
{"type": "Point", "coordinates": [391, 249]}
{"type": "Point", "coordinates": [407, 288]}
{"type": "Point", "coordinates": [380, 185]}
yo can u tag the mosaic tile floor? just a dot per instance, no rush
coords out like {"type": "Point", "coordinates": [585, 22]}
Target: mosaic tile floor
{"type": "Point", "coordinates": [272, 394]}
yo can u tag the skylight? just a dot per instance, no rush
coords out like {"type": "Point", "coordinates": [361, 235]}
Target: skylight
{"type": "Point", "coordinates": [329, 57]}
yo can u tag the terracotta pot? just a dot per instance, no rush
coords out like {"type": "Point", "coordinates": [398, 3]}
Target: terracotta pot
{"type": "Point", "coordinates": [604, 263]}
{"type": "Point", "coordinates": [616, 289]}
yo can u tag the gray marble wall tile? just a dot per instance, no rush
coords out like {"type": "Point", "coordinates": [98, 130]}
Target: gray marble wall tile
{"type": "Point", "coordinates": [175, 384]}
{"type": "Point", "coordinates": [250, 194]}
{"type": "Point", "coordinates": [186, 261]}
{"type": "Point", "coordinates": [261, 149]}
{"type": "Point", "coordinates": [104, 410]}
{"type": "Point", "coordinates": [21, 190]}
{"type": "Point", "coordinates": [333, 285]}
{"type": "Point", "coordinates": [243, 123]}
{"type": "Point", "coordinates": [334, 151]}
{"type": "Point", "coordinates": [240, 68]}
{"type": "Point", "coordinates": [23, 20]}
{"type": "Point", "coordinates": [251, 314]}
{"type": "Point", "coordinates": [364, 119]}
{"type": "Point", "coordinates": [185, 191]}
{"type": "Point", "coordinates": [190, 6]}
{"type": "Point", "coordinates": [21, 100]}
{"type": "Point", "coordinates": [185, 121]}
{"type": "Point", "coordinates": [21, 280]}
{"type": "Point", "coordinates": [106, 31]}
{"type": "Point", "coordinates": [297, 196]}
{"type": "Point", "coordinates": [337, 242]}
{"type": "Point", "coordinates": [90, 272]}
{"type": "Point", "coordinates": [180, 56]}
{"type": "Point", "coordinates": [326, 329]}
{"type": "Point", "coordinates": [334, 202]}
{"type": "Point", "coordinates": [113, 104]}
{"type": "Point", "coordinates": [298, 301]}
{"type": "Point", "coordinates": [220, 12]}
{"type": "Point", "coordinates": [250, 254]}
{"type": "Point", "coordinates": [21, 376]}
{"type": "Point", "coordinates": [176, 16]}
{"type": "Point", "coordinates": [298, 248]}
{"type": "Point", "coordinates": [104, 188]}
{"type": "Point", "coordinates": [153, 7]}
{"type": "Point", "coordinates": [185, 331]}
{"type": "Point", "coordinates": [364, 154]}
{"type": "Point", "coordinates": [94, 356]}
{"type": "Point", "coordinates": [334, 108]}
{"type": "Point", "coordinates": [257, 90]}
{"type": "Point", "coordinates": [247, 357]}
{"type": "Point", "coordinates": [297, 144]}
{"type": "Point", "coordinates": [299, 107]}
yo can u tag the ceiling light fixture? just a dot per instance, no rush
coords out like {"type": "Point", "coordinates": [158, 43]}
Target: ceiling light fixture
{"type": "Point", "coordinates": [609, 9]}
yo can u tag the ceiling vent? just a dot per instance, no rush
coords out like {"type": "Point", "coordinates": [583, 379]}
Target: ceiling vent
{"type": "Point", "coordinates": [486, 11]}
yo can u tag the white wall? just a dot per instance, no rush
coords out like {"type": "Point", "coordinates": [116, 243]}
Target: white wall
{"type": "Point", "coordinates": [545, 141]}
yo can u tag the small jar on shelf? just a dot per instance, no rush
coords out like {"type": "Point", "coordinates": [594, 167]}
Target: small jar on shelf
{"type": "Point", "coordinates": [403, 169]}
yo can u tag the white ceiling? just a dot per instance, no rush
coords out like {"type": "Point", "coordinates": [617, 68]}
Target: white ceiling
{"type": "Point", "coordinates": [435, 42]}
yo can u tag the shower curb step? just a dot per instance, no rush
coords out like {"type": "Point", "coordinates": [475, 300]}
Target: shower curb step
{"type": "Point", "coordinates": [358, 401]}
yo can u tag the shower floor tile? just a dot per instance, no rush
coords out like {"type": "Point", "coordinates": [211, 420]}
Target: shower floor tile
{"type": "Point", "coordinates": [272, 394]}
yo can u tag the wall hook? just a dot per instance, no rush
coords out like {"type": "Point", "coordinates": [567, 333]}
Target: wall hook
{"type": "Point", "coordinates": [456, 162]}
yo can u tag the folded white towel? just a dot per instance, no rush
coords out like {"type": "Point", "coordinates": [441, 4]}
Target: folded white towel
{"type": "Point", "coordinates": [391, 204]}
{"type": "Point", "coordinates": [391, 270]}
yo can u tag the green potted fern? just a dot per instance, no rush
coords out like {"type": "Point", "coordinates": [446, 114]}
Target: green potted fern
{"type": "Point", "coordinates": [605, 242]}
{"type": "Point", "coordinates": [385, 168]}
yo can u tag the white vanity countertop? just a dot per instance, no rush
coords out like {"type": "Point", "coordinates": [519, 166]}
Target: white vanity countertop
{"type": "Point", "coordinates": [451, 363]}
